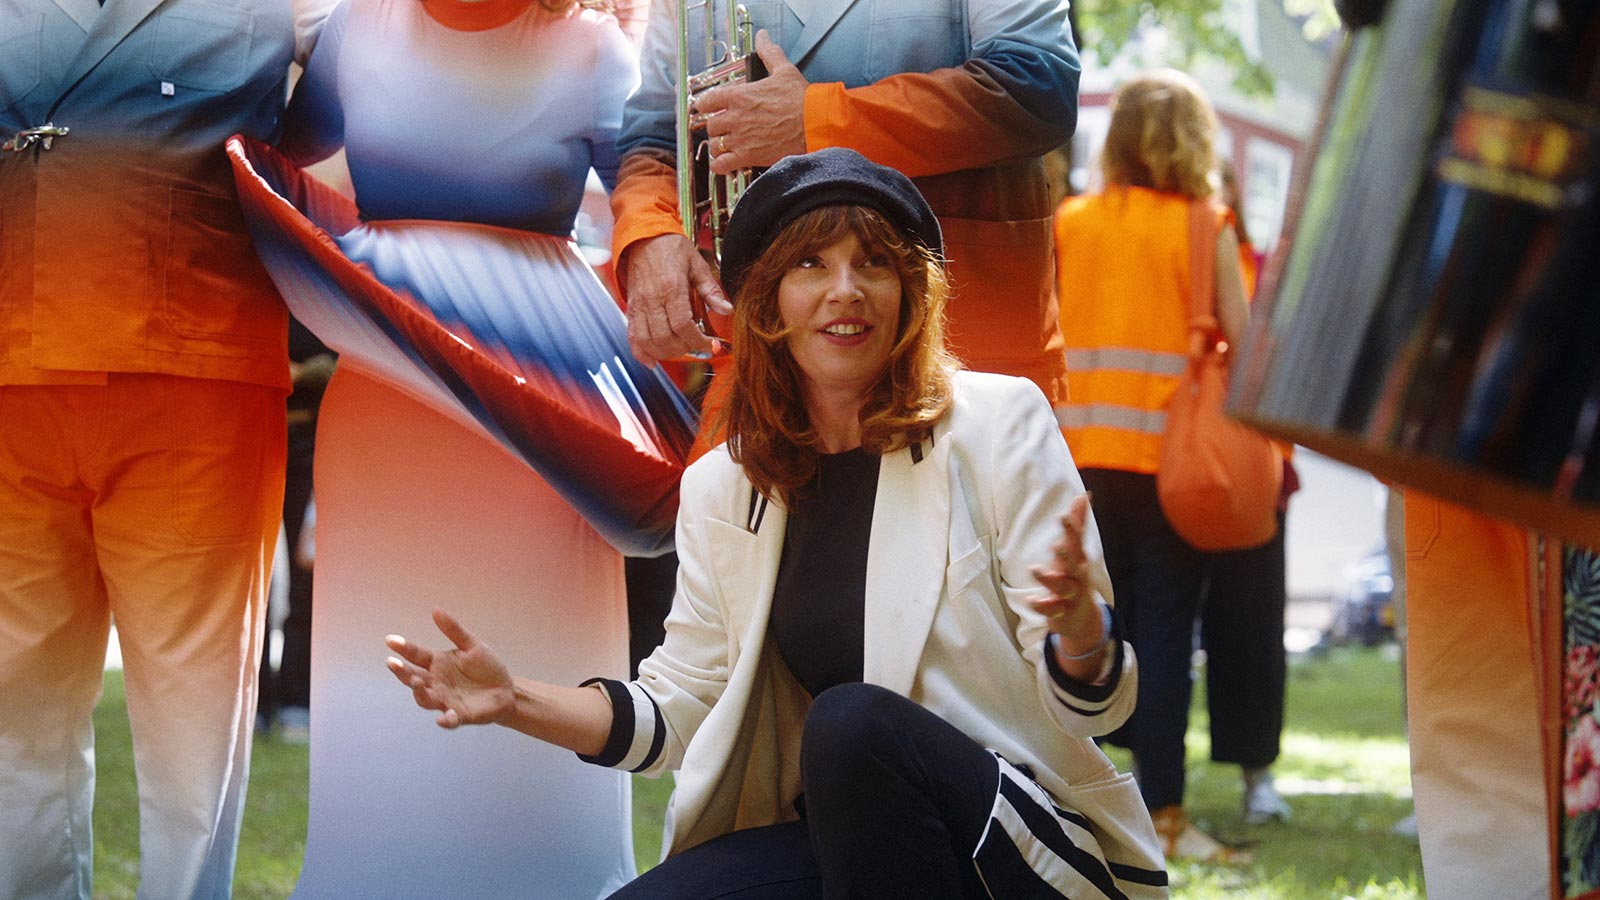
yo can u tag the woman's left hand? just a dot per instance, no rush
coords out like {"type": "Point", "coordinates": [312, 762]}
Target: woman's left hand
{"type": "Point", "coordinates": [1071, 611]}
{"type": "Point", "coordinates": [466, 685]}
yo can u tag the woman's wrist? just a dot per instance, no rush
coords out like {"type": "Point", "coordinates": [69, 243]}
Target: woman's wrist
{"type": "Point", "coordinates": [1078, 648]}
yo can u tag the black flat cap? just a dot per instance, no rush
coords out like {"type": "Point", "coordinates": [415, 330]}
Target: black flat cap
{"type": "Point", "coordinates": [834, 176]}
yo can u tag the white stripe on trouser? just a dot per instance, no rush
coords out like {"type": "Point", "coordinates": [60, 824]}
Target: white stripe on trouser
{"type": "Point", "coordinates": [1040, 858]}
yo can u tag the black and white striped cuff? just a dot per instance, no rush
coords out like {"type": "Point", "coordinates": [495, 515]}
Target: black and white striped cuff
{"type": "Point", "coordinates": [1083, 697]}
{"type": "Point", "coordinates": [637, 729]}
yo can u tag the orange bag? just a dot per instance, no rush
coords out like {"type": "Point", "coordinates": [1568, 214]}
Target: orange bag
{"type": "Point", "coordinates": [1217, 480]}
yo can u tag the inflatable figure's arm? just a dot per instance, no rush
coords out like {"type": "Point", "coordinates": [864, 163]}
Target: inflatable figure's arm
{"type": "Point", "coordinates": [309, 17]}
{"type": "Point", "coordinates": [616, 75]}
{"type": "Point", "coordinates": [313, 126]}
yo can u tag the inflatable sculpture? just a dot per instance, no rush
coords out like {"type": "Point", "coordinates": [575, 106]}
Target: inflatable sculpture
{"type": "Point", "coordinates": [483, 371]}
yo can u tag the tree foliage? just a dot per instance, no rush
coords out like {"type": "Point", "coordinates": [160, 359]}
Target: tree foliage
{"type": "Point", "coordinates": [1179, 33]}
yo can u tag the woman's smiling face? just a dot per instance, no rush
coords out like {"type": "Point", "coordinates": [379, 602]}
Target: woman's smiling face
{"type": "Point", "coordinates": [842, 304]}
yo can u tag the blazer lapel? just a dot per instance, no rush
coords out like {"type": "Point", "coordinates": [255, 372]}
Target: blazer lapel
{"type": "Point", "coordinates": [84, 12]}
{"type": "Point", "coordinates": [822, 16]}
{"type": "Point", "coordinates": [116, 21]}
{"type": "Point", "coordinates": [906, 562]}
{"type": "Point", "coordinates": [747, 568]}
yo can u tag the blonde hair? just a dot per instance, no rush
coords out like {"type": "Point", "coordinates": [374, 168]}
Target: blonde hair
{"type": "Point", "coordinates": [1162, 135]}
{"type": "Point", "coordinates": [765, 420]}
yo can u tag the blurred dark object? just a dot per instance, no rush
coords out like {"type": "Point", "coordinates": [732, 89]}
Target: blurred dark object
{"type": "Point", "coordinates": [1363, 609]}
{"type": "Point", "coordinates": [1360, 13]}
{"type": "Point", "coordinates": [1436, 320]}
{"type": "Point", "coordinates": [284, 699]}
{"type": "Point", "coordinates": [311, 365]}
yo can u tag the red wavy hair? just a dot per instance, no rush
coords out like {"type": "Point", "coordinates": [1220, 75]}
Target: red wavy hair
{"type": "Point", "coordinates": [768, 430]}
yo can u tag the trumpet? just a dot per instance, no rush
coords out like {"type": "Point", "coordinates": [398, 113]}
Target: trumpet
{"type": "Point", "coordinates": [705, 200]}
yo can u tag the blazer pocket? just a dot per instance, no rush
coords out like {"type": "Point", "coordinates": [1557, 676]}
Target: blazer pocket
{"type": "Point", "coordinates": [968, 571]}
{"type": "Point", "coordinates": [914, 37]}
{"type": "Point", "coordinates": [21, 40]}
{"type": "Point", "coordinates": [202, 46]}
{"type": "Point", "coordinates": [214, 287]}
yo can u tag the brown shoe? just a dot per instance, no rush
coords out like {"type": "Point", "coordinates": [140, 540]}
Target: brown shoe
{"type": "Point", "coordinates": [1182, 840]}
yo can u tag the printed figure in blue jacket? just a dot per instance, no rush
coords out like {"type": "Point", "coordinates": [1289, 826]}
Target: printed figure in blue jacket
{"type": "Point", "coordinates": [143, 370]}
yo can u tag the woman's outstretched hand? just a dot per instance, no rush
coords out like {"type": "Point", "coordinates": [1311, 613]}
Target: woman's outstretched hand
{"type": "Point", "coordinates": [468, 685]}
{"type": "Point", "coordinates": [1071, 609]}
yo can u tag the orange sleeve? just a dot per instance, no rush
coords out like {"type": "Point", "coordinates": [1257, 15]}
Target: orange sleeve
{"type": "Point", "coordinates": [929, 123]}
{"type": "Point", "coordinates": [644, 202]}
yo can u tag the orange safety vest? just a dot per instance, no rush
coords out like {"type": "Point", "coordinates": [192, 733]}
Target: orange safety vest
{"type": "Point", "coordinates": [1122, 276]}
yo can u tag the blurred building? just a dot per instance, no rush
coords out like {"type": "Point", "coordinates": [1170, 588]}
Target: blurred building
{"type": "Point", "coordinates": [1263, 137]}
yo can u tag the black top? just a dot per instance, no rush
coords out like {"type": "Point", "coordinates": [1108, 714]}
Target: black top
{"type": "Point", "coordinates": [818, 605]}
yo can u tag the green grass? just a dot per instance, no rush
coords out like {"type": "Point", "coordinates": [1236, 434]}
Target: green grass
{"type": "Point", "coordinates": [272, 839]}
{"type": "Point", "coordinates": [1344, 770]}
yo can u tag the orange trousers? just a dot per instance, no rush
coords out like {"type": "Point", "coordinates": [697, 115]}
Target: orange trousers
{"type": "Point", "coordinates": [153, 500]}
{"type": "Point", "coordinates": [1476, 759]}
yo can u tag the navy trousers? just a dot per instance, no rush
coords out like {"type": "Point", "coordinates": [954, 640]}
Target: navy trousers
{"type": "Point", "coordinates": [895, 802]}
{"type": "Point", "coordinates": [1241, 628]}
{"type": "Point", "coordinates": [1158, 579]}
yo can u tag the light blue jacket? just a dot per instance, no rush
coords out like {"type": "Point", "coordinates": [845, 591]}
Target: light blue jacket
{"type": "Point", "coordinates": [123, 245]}
{"type": "Point", "coordinates": [1025, 44]}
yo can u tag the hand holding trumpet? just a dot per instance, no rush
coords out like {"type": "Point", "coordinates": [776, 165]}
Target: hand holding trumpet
{"type": "Point", "coordinates": [755, 124]}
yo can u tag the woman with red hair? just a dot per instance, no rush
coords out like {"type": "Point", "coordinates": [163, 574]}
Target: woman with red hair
{"type": "Point", "coordinates": [863, 689]}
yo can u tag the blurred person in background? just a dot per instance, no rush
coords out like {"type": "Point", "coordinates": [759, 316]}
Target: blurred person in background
{"type": "Point", "coordinates": [143, 371]}
{"type": "Point", "coordinates": [1242, 621]}
{"type": "Point", "coordinates": [1251, 259]}
{"type": "Point", "coordinates": [1122, 264]}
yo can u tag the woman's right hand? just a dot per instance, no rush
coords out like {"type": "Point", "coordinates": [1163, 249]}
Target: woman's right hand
{"type": "Point", "coordinates": [468, 685]}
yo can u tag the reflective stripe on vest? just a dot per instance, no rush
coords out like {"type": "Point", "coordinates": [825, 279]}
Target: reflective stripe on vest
{"type": "Point", "coordinates": [1087, 360]}
{"type": "Point", "coordinates": [1106, 415]}
{"type": "Point", "coordinates": [1127, 359]}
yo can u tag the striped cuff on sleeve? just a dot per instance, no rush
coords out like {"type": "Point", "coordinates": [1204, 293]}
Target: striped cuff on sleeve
{"type": "Point", "coordinates": [1082, 697]}
{"type": "Point", "coordinates": [637, 730]}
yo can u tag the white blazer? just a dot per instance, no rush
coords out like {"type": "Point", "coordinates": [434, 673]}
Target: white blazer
{"type": "Point", "coordinates": [958, 522]}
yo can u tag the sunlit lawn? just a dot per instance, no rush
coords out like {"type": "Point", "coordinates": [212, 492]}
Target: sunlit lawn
{"type": "Point", "coordinates": [1344, 770]}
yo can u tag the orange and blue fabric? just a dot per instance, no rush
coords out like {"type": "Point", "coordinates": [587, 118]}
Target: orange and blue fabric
{"type": "Point", "coordinates": [432, 305]}
{"type": "Point", "coordinates": [458, 279]}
